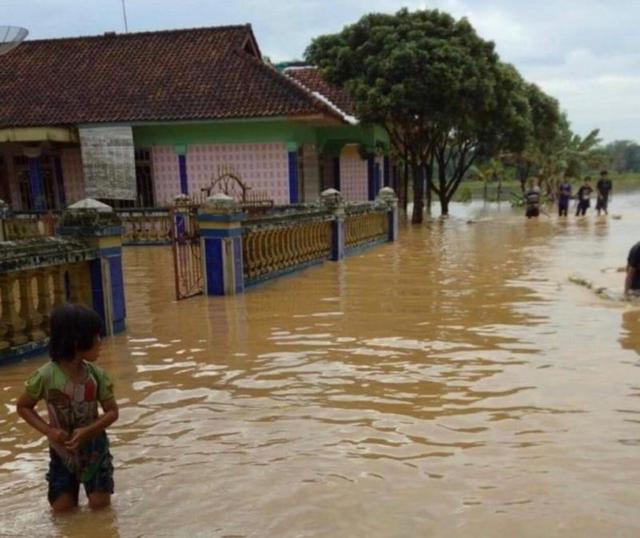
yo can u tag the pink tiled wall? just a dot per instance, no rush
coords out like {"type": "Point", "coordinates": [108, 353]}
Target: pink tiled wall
{"type": "Point", "coordinates": [73, 175]}
{"type": "Point", "coordinates": [166, 174]}
{"type": "Point", "coordinates": [353, 175]}
{"type": "Point", "coordinates": [263, 167]}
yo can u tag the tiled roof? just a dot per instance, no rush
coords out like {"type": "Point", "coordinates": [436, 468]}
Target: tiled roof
{"type": "Point", "coordinates": [311, 79]}
{"type": "Point", "coordinates": [205, 73]}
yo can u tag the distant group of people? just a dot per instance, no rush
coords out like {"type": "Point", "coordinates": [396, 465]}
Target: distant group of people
{"type": "Point", "coordinates": [533, 195]}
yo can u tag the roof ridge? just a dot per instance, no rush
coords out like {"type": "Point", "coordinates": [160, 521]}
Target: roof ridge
{"type": "Point", "coordinates": [292, 84]}
{"type": "Point", "coordinates": [111, 35]}
{"type": "Point", "coordinates": [318, 96]}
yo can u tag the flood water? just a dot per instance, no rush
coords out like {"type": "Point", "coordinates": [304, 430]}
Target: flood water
{"type": "Point", "coordinates": [454, 383]}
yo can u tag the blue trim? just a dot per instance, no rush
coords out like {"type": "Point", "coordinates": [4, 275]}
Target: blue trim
{"type": "Point", "coordinates": [62, 198]}
{"type": "Point", "coordinates": [370, 179]}
{"type": "Point", "coordinates": [232, 232]}
{"type": "Point", "coordinates": [336, 173]}
{"type": "Point", "coordinates": [35, 181]}
{"type": "Point", "coordinates": [213, 266]}
{"type": "Point", "coordinates": [293, 177]}
{"type": "Point", "coordinates": [182, 166]}
{"type": "Point", "coordinates": [110, 252]}
{"type": "Point", "coordinates": [23, 352]}
{"type": "Point", "coordinates": [386, 171]}
{"type": "Point", "coordinates": [234, 217]}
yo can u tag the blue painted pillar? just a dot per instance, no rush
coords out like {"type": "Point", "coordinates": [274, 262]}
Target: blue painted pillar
{"type": "Point", "coordinates": [62, 198]}
{"type": "Point", "coordinates": [184, 180]}
{"type": "Point", "coordinates": [386, 171]}
{"type": "Point", "coordinates": [293, 176]}
{"type": "Point", "coordinates": [107, 283]}
{"type": "Point", "coordinates": [336, 173]}
{"type": "Point", "coordinates": [35, 181]}
{"type": "Point", "coordinates": [371, 188]}
{"type": "Point", "coordinates": [221, 237]}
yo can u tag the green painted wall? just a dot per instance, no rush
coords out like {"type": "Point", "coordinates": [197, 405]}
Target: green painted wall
{"type": "Point", "coordinates": [257, 131]}
{"type": "Point", "coordinates": [239, 132]}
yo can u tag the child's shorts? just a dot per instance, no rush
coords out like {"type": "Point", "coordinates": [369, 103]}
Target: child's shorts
{"type": "Point", "coordinates": [61, 480]}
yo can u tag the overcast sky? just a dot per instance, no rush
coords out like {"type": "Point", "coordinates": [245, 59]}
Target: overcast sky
{"type": "Point", "coordinates": [584, 52]}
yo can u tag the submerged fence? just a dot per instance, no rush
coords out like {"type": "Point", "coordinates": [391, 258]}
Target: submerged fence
{"type": "Point", "coordinates": [242, 250]}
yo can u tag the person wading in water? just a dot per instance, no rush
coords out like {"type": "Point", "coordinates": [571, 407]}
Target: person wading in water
{"type": "Point", "coordinates": [584, 197]}
{"type": "Point", "coordinates": [564, 195]}
{"type": "Point", "coordinates": [532, 199]}
{"type": "Point", "coordinates": [604, 187]}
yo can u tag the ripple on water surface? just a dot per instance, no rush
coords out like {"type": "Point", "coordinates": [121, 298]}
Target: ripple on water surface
{"type": "Point", "coordinates": [453, 383]}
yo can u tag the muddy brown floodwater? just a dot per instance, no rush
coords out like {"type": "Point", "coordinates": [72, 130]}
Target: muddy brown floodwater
{"type": "Point", "coordinates": [454, 383]}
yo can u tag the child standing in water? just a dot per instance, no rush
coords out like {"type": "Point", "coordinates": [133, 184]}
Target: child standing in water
{"type": "Point", "coordinates": [72, 386]}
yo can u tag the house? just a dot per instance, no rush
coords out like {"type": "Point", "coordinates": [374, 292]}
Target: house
{"type": "Point", "coordinates": [136, 119]}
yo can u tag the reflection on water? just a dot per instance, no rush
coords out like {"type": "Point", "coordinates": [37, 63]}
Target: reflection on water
{"type": "Point", "coordinates": [453, 384]}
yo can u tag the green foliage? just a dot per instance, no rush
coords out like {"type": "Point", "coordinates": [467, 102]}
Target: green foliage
{"type": "Point", "coordinates": [464, 194]}
{"type": "Point", "coordinates": [622, 156]}
{"type": "Point", "coordinates": [435, 85]}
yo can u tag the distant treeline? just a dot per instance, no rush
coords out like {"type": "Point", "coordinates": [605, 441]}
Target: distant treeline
{"type": "Point", "coordinates": [623, 156]}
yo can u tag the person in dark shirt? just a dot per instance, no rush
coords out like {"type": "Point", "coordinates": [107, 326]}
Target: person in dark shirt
{"type": "Point", "coordinates": [532, 199]}
{"type": "Point", "coordinates": [584, 197]}
{"type": "Point", "coordinates": [564, 195]}
{"type": "Point", "coordinates": [632, 280]}
{"type": "Point", "coordinates": [603, 187]}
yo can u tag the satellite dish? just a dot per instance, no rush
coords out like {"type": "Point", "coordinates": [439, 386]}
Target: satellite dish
{"type": "Point", "coordinates": [11, 37]}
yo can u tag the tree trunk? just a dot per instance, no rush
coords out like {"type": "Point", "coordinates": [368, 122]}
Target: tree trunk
{"type": "Point", "coordinates": [418, 194]}
{"type": "Point", "coordinates": [499, 188]}
{"type": "Point", "coordinates": [442, 182]}
{"type": "Point", "coordinates": [429, 174]}
{"type": "Point", "coordinates": [444, 204]}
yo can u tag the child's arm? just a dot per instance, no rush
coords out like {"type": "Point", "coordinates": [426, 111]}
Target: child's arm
{"type": "Point", "coordinates": [26, 408]}
{"type": "Point", "coordinates": [80, 435]}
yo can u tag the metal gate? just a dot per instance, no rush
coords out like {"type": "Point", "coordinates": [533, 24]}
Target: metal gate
{"type": "Point", "coordinates": [187, 251]}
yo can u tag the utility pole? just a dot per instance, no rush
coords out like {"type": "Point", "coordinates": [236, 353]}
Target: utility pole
{"type": "Point", "coordinates": [124, 14]}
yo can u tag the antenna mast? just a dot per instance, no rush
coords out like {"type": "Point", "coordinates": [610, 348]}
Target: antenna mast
{"type": "Point", "coordinates": [124, 15]}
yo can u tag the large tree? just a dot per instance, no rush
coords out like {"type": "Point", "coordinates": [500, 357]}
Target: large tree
{"type": "Point", "coordinates": [438, 89]}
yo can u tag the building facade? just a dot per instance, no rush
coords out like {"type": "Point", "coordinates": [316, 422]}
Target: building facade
{"type": "Point", "coordinates": [136, 119]}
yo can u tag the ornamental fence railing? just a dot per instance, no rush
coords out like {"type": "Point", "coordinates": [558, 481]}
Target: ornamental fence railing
{"type": "Point", "coordinates": [277, 243]}
{"type": "Point", "coordinates": [82, 264]}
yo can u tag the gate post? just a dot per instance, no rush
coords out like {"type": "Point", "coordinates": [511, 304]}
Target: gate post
{"type": "Point", "coordinates": [388, 196]}
{"type": "Point", "coordinates": [220, 220]}
{"type": "Point", "coordinates": [101, 227]}
{"type": "Point", "coordinates": [333, 201]}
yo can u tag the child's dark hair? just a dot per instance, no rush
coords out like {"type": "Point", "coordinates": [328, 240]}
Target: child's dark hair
{"type": "Point", "coordinates": [73, 328]}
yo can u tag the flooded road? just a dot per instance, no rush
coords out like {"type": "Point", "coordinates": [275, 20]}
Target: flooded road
{"type": "Point", "coordinates": [454, 383]}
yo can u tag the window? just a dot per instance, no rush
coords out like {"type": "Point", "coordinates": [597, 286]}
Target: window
{"type": "Point", "coordinates": [144, 179]}
{"type": "Point", "coordinates": [47, 176]}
